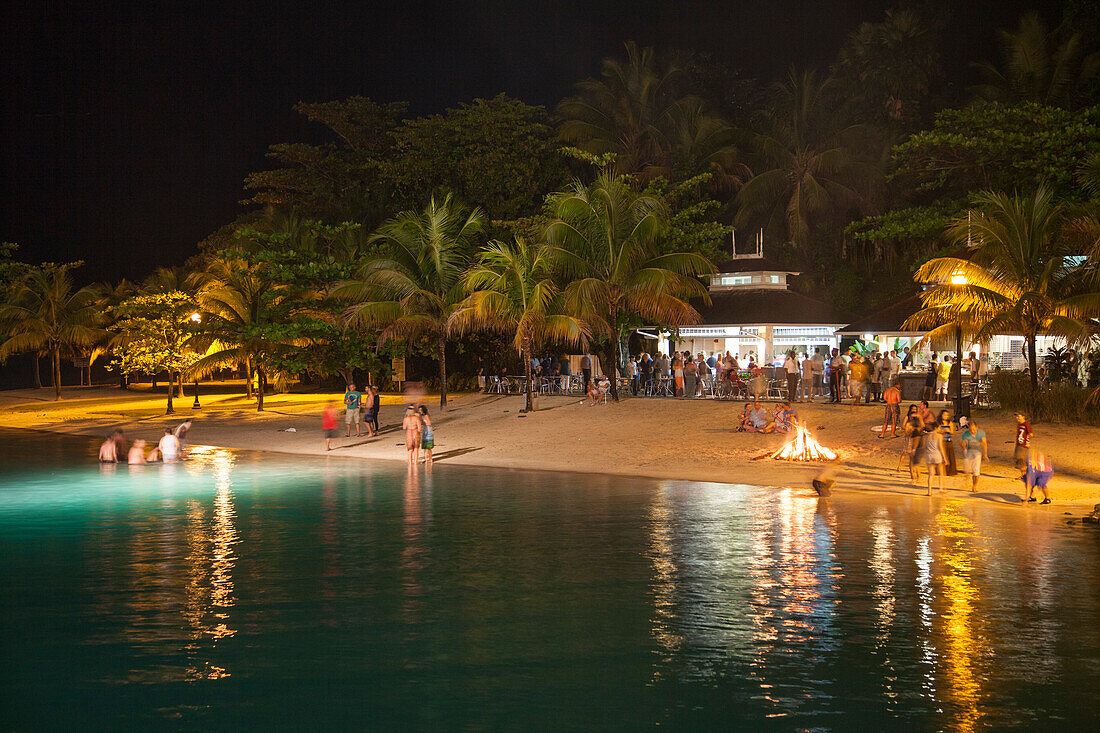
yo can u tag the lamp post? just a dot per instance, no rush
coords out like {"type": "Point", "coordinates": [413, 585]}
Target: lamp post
{"type": "Point", "coordinates": [958, 279]}
{"type": "Point", "coordinates": [196, 319]}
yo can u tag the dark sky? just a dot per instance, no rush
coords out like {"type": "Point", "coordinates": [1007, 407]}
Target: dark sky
{"type": "Point", "coordinates": [127, 128]}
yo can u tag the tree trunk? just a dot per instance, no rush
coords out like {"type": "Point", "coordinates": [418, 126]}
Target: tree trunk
{"type": "Point", "coordinates": [1033, 366]}
{"type": "Point", "coordinates": [171, 389]}
{"type": "Point", "coordinates": [442, 374]}
{"type": "Point", "coordinates": [248, 377]}
{"type": "Point", "coordinates": [261, 387]}
{"type": "Point", "coordinates": [525, 354]}
{"type": "Point", "coordinates": [348, 373]}
{"type": "Point", "coordinates": [37, 370]}
{"type": "Point", "coordinates": [55, 368]}
{"type": "Point", "coordinates": [613, 365]}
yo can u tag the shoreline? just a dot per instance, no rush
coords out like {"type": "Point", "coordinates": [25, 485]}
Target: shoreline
{"type": "Point", "coordinates": [658, 439]}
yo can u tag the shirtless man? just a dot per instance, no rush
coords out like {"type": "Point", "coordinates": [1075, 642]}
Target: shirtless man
{"type": "Point", "coordinates": [411, 425]}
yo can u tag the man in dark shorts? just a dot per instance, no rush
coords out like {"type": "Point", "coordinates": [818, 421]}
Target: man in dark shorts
{"type": "Point", "coordinates": [1023, 443]}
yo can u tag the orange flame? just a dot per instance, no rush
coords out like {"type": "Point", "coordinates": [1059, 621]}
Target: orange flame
{"type": "Point", "coordinates": [803, 447]}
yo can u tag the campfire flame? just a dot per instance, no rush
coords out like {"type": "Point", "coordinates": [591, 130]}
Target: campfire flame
{"type": "Point", "coordinates": [803, 447]}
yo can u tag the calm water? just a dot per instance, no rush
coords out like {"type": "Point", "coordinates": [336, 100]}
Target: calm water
{"type": "Point", "coordinates": [243, 591]}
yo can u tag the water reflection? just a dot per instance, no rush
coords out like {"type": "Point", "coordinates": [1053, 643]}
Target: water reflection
{"type": "Point", "coordinates": [664, 577]}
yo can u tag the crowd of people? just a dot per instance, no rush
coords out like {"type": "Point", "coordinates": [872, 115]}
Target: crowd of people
{"type": "Point", "coordinates": [169, 448]}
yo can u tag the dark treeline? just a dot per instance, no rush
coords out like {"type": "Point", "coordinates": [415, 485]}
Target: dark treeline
{"type": "Point", "coordinates": [485, 229]}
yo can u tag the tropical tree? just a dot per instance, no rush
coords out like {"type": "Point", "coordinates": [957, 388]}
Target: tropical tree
{"type": "Point", "coordinates": [411, 290]}
{"type": "Point", "coordinates": [45, 312]}
{"type": "Point", "coordinates": [243, 314]}
{"type": "Point", "coordinates": [639, 111]}
{"type": "Point", "coordinates": [605, 240]}
{"type": "Point", "coordinates": [1039, 66]}
{"type": "Point", "coordinates": [809, 172]}
{"type": "Point", "coordinates": [513, 292]}
{"type": "Point", "coordinates": [1017, 278]}
{"type": "Point", "coordinates": [152, 334]}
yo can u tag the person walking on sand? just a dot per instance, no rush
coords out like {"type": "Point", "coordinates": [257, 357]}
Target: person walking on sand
{"type": "Point", "coordinates": [914, 429]}
{"type": "Point", "coordinates": [352, 401]}
{"type": "Point", "coordinates": [411, 425]}
{"type": "Point", "coordinates": [934, 456]}
{"type": "Point", "coordinates": [890, 420]}
{"type": "Point", "coordinates": [1023, 443]}
{"type": "Point", "coordinates": [427, 435]}
{"type": "Point", "coordinates": [1040, 470]}
{"type": "Point", "coordinates": [328, 425]}
{"type": "Point", "coordinates": [586, 370]}
{"type": "Point", "coordinates": [975, 447]}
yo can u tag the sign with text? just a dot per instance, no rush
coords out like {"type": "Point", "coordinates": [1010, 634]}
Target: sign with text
{"type": "Point", "coordinates": [398, 366]}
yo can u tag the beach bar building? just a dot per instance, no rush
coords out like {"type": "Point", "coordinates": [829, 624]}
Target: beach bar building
{"type": "Point", "coordinates": [753, 310]}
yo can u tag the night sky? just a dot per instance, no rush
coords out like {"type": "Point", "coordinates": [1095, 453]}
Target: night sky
{"type": "Point", "coordinates": [128, 129]}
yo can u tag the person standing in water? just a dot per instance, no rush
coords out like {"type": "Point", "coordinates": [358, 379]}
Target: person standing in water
{"type": "Point", "coordinates": [427, 435]}
{"type": "Point", "coordinates": [136, 455]}
{"type": "Point", "coordinates": [169, 447]}
{"type": "Point", "coordinates": [411, 425]}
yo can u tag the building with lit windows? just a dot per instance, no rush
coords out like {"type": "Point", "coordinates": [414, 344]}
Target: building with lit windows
{"type": "Point", "coordinates": [753, 311]}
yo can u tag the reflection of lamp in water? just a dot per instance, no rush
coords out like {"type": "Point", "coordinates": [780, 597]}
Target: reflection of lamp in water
{"type": "Point", "coordinates": [196, 319]}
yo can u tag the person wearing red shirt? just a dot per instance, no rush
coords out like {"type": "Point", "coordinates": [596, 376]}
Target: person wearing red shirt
{"type": "Point", "coordinates": [328, 425]}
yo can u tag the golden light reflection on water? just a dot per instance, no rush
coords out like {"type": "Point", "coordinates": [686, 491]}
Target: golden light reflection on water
{"type": "Point", "coordinates": [961, 647]}
{"type": "Point", "coordinates": [210, 560]}
{"type": "Point", "coordinates": [661, 556]}
{"type": "Point", "coordinates": [884, 569]}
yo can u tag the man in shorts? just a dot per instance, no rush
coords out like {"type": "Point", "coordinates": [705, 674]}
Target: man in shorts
{"type": "Point", "coordinates": [352, 402]}
{"type": "Point", "coordinates": [1023, 443]}
{"type": "Point", "coordinates": [892, 395]}
{"type": "Point", "coordinates": [857, 381]}
{"type": "Point", "coordinates": [975, 447]}
{"type": "Point", "coordinates": [1039, 472]}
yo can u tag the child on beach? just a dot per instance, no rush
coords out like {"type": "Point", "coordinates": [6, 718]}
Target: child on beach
{"type": "Point", "coordinates": [1023, 444]}
{"type": "Point", "coordinates": [975, 447]}
{"type": "Point", "coordinates": [785, 418]}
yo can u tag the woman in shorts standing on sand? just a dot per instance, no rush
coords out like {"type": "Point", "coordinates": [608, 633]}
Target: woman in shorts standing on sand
{"type": "Point", "coordinates": [934, 456]}
{"type": "Point", "coordinates": [427, 435]}
{"type": "Point", "coordinates": [411, 426]}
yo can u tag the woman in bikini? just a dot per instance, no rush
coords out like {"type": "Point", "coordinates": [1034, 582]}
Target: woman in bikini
{"type": "Point", "coordinates": [427, 435]}
{"type": "Point", "coordinates": [411, 426]}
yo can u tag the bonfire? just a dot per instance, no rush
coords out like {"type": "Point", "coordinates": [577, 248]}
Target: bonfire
{"type": "Point", "coordinates": [803, 447]}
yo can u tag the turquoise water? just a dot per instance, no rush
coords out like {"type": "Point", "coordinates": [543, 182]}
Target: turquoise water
{"type": "Point", "coordinates": [261, 592]}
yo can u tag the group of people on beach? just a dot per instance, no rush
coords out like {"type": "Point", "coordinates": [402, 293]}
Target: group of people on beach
{"type": "Point", "coordinates": [756, 419]}
{"type": "Point", "coordinates": [169, 449]}
{"type": "Point", "coordinates": [362, 409]}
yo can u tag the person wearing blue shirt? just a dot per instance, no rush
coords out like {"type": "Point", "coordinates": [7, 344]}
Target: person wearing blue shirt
{"type": "Point", "coordinates": [352, 401]}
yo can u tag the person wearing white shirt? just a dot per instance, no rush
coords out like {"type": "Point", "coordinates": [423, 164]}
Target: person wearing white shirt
{"type": "Point", "coordinates": [818, 367]}
{"type": "Point", "coordinates": [790, 364]}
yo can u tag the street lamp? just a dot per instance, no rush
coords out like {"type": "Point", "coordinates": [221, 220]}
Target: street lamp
{"type": "Point", "coordinates": [958, 279]}
{"type": "Point", "coordinates": [196, 319]}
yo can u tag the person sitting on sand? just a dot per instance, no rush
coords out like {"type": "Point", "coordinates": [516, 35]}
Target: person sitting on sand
{"type": "Point", "coordinates": [136, 456]}
{"type": "Point", "coordinates": [758, 420]}
{"type": "Point", "coordinates": [745, 426]}
{"type": "Point", "coordinates": [785, 418]}
{"type": "Point", "coordinates": [108, 451]}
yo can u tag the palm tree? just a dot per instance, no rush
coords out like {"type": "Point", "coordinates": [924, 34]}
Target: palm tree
{"type": "Point", "coordinates": [45, 313]}
{"type": "Point", "coordinates": [513, 292]}
{"type": "Point", "coordinates": [241, 312]}
{"type": "Point", "coordinates": [605, 241]}
{"type": "Point", "coordinates": [1037, 66]}
{"type": "Point", "coordinates": [411, 291]}
{"type": "Point", "coordinates": [812, 169]}
{"type": "Point", "coordinates": [1017, 279]}
{"type": "Point", "coordinates": [638, 111]}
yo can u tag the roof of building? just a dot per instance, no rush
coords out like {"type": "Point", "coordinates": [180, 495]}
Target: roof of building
{"type": "Point", "coordinates": [887, 320]}
{"type": "Point", "coordinates": [753, 264]}
{"type": "Point", "coordinates": [749, 306]}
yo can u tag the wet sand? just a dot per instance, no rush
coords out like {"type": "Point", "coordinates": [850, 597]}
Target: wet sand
{"type": "Point", "coordinates": [656, 438]}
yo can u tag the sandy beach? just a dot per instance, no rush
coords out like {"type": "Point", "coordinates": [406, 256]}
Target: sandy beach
{"type": "Point", "coordinates": [656, 438]}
